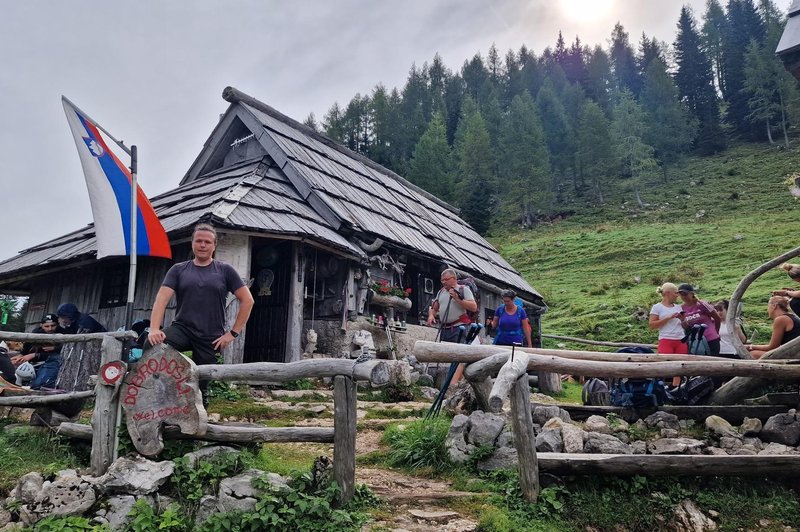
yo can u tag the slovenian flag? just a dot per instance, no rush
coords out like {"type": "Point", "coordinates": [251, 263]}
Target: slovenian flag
{"type": "Point", "coordinates": [109, 182]}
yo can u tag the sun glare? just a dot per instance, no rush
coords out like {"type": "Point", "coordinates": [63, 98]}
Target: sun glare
{"type": "Point", "coordinates": [584, 11]}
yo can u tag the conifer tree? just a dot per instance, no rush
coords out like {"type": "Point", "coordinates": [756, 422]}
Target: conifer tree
{"type": "Point", "coordinates": [623, 61]}
{"type": "Point", "coordinates": [599, 79]}
{"type": "Point", "coordinates": [670, 129]}
{"type": "Point", "coordinates": [596, 156]}
{"type": "Point", "coordinates": [744, 25]}
{"type": "Point", "coordinates": [714, 27]}
{"type": "Point", "coordinates": [695, 85]}
{"type": "Point", "coordinates": [311, 121]}
{"type": "Point", "coordinates": [333, 123]}
{"type": "Point", "coordinates": [475, 162]}
{"type": "Point", "coordinates": [634, 155]}
{"type": "Point", "coordinates": [556, 132]}
{"type": "Point", "coordinates": [430, 167]}
{"type": "Point", "coordinates": [524, 164]}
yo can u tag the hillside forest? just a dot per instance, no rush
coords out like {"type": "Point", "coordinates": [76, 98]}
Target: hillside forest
{"type": "Point", "coordinates": [521, 138]}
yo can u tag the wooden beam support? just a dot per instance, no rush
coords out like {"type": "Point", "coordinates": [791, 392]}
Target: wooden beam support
{"type": "Point", "coordinates": [106, 412]}
{"type": "Point", "coordinates": [344, 438]}
{"type": "Point", "coordinates": [64, 338]}
{"type": "Point", "coordinates": [507, 377]}
{"type": "Point", "coordinates": [668, 465]}
{"type": "Point", "coordinates": [33, 401]}
{"type": "Point", "coordinates": [374, 371]}
{"type": "Point", "coordinates": [524, 438]}
{"type": "Point", "coordinates": [596, 342]}
{"type": "Point", "coordinates": [224, 433]}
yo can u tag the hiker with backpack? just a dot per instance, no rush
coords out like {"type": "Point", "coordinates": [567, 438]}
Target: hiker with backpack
{"type": "Point", "coordinates": [452, 306]}
{"type": "Point", "coordinates": [785, 326]}
{"type": "Point", "coordinates": [511, 322]}
{"type": "Point", "coordinates": [699, 316]}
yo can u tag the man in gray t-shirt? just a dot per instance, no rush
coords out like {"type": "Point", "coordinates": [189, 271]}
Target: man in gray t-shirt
{"type": "Point", "coordinates": [201, 287]}
{"type": "Point", "coordinates": [451, 305]}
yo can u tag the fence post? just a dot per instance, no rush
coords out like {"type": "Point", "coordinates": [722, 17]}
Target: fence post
{"type": "Point", "coordinates": [524, 439]}
{"type": "Point", "coordinates": [344, 436]}
{"type": "Point", "coordinates": [106, 411]}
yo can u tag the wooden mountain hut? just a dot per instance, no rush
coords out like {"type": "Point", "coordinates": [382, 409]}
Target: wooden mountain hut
{"type": "Point", "coordinates": [310, 224]}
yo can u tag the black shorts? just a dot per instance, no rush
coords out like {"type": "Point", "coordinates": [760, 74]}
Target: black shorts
{"type": "Point", "coordinates": [183, 339]}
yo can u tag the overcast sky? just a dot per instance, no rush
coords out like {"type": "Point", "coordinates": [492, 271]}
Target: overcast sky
{"type": "Point", "coordinates": [152, 73]}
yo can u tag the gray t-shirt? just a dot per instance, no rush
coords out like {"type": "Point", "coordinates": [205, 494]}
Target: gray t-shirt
{"type": "Point", "coordinates": [451, 315]}
{"type": "Point", "coordinates": [201, 292]}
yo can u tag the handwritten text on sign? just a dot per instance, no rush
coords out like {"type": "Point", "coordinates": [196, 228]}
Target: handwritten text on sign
{"type": "Point", "coordinates": [156, 367]}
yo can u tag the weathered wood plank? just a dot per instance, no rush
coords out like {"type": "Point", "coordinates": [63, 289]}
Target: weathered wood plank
{"type": "Point", "coordinates": [375, 371]}
{"type": "Point", "coordinates": [344, 438]}
{"type": "Point", "coordinates": [507, 377]}
{"type": "Point", "coordinates": [106, 412]}
{"type": "Point", "coordinates": [668, 465]}
{"type": "Point", "coordinates": [224, 433]}
{"type": "Point", "coordinates": [596, 342]}
{"type": "Point", "coordinates": [64, 338]}
{"type": "Point", "coordinates": [524, 438]}
{"type": "Point", "coordinates": [33, 401]}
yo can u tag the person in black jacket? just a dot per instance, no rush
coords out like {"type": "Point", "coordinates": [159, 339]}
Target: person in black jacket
{"type": "Point", "coordinates": [47, 355]}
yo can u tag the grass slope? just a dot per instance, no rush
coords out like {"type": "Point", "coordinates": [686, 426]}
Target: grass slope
{"type": "Point", "coordinates": [713, 221]}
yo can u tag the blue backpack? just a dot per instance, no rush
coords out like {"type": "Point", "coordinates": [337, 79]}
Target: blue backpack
{"type": "Point", "coordinates": [639, 393]}
{"type": "Point", "coordinates": [696, 339]}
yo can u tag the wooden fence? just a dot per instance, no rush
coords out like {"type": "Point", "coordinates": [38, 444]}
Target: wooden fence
{"type": "Point", "coordinates": [511, 380]}
{"type": "Point", "coordinates": [154, 410]}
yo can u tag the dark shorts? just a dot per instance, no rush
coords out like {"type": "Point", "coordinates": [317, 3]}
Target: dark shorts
{"type": "Point", "coordinates": [183, 339]}
{"type": "Point", "coordinates": [454, 334]}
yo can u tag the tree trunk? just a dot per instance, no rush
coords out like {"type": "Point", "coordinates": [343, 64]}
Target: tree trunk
{"type": "Point", "coordinates": [638, 198]}
{"type": "Point", "coordinates": [769, 133]}
{"type": "Point", "coordinates": [783, 122]}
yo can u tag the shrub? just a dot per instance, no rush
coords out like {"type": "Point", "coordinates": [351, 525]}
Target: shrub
{"type": "Point", "coordinates": [67, 524]}
{"type": "Point", "coordinates": [419, 443]}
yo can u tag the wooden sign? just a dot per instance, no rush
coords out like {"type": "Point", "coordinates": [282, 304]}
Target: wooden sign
{"type": "Point", "coordinates": [161, 389]}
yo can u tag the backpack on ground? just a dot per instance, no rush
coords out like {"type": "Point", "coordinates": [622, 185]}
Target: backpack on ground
{"type": "Point", "coordinates": [639, 393]}
{"type": "Point", "coordinates": [595, 392]}
{"type": "Point", "coordinates": [696, 340]}
{"type": "Point", "coordinates": [469, 282]}
{"type": "Point", "coordinates": [693, 391]}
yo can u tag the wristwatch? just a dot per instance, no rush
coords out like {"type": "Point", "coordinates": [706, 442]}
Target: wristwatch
{"type": "Point", "coordinates": [234, 333]}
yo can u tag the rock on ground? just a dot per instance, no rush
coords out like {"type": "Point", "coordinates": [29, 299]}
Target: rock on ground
{"type": "Point", "coordinates": [782, 428]}
{"type": "Point", "coordinates": [676, 446]}
{"type": "Point", "coordinates": [719, 426]}
{"type": "Point", "coordinates": [689, 518]}
{"type": "Point", "coordinates": [598, 424]}
{"type": "Point", "coordinates": [597, 443]}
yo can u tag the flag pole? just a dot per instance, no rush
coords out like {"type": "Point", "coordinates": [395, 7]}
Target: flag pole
{"type": "Point", "coordinates": [133, 249]}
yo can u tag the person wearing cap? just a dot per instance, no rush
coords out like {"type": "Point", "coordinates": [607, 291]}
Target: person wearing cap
{"type": "Point", "coordinates": [699, 312]}
{"type": "Point", "coordinates": [48, 355]}
{"type": "Point", "coordinates": [72, 321]}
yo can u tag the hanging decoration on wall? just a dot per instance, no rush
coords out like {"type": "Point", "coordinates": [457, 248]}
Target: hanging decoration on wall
{"type": "Point", "coordinates": [265, 279]}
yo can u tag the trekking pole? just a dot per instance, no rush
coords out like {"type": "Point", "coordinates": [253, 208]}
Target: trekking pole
{"type": "Point", "coordinates": [437, 404]}
{"type": "Point", "coordinates": [441, 326]}
{"type": "Point", "coordinates": [78, 371]}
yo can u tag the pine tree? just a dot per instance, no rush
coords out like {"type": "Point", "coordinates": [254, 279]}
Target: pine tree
{"type": "Point", "coordinates": [333, 123]}
{"type": "Point", "coordinates": [596, 156]}
{"type": "Point", "coordinates": [599, 79]}
{"type": "Point", "coordinates": [695, 85]}
{"type": "Point", "coordinates": [634, 155]}
{"type": "Point", "coordinates": [575, 63]}
{"type": "Point", "coordinates": [385, 117]}
{"type": "Point", "coordinates": [474, 74]}
{"type": "Point", "coordinates": [430, 167]}
{"type": "Point", "coordinates": [415, 101]}
{"type": "Point", "coordinates": [556, 133]}
{"type": "Point", "coordinates": [623, 61]}
{"type": "Point", "coordinates": [475, 190]}
{"type": "Point", "coordinates": [524, 166]}
{"type": "Point", "coordinates": [744, 25]}
{"type": "Point", "coordinates": [715, 24]}
{"type": "Point", "coordinates": [670, 129]}
{"type": "Point", "coordinates": [311, 121]}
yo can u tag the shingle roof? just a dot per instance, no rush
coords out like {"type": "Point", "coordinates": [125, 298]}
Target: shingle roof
{"type": "Point", "coordinates": [309, 186]}
{"type": "Point", "coordinates": [373, 200]}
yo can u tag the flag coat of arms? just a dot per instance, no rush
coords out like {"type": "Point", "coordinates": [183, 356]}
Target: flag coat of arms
{"type": "Point", "coordinates": [109, 183]}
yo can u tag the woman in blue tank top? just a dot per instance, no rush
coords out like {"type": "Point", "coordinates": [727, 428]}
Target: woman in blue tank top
{"type": "Point", "coordinates": [511, 322]}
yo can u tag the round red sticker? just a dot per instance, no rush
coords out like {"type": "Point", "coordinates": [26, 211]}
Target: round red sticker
{"type": "Point", "coordinates": [112, 372]}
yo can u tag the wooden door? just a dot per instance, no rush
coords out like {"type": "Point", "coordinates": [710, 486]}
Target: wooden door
{"type": "Point", "coordinates": [265, 339]}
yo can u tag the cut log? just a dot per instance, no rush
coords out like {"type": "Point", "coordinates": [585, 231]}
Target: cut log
{"type": "Point", "coordinates": [374, 371]}
{"type": "Point", "coordinates": [734, 414]}
{"type": "Point", "coordinates": [38, 338]}
{"type": "Point", "coordinates": [106, 412]}
{"type": "Point", "coordinates": [344, 439]}
{"type": "Point", "coordinates": [668, 465]}
{"type": "Point", "coordinates": [524, 438]}
{"type": "Point", "coordinates": [429, 352]}
{"type": "Point", "coordinates": [596, 342]}
{"type": "Point", "coordinates": [482, 391]}
{"type": "Point", "coordinates": [507, 376]}
{"type": "Point", "coordinates": [637, 370]}
{"type": "Point", "coordinates": [224, 433]}
{"type": "Point", "coordinates": [549, 382]}
{"type": "Point", "coordinates": [33, 401]}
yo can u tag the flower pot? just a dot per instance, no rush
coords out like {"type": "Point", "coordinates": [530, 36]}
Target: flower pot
{"type": "Point", "coordinates": [382, 300]}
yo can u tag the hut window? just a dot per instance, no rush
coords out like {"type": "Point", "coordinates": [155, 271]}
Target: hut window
{"type": "Point", "coordinates": [115, 287]}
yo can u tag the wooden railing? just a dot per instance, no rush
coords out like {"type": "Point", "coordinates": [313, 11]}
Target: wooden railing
{"type": "Point", "coordinates": [189, 420]}
{"type": "Point", "coordinates": [485, 362]}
